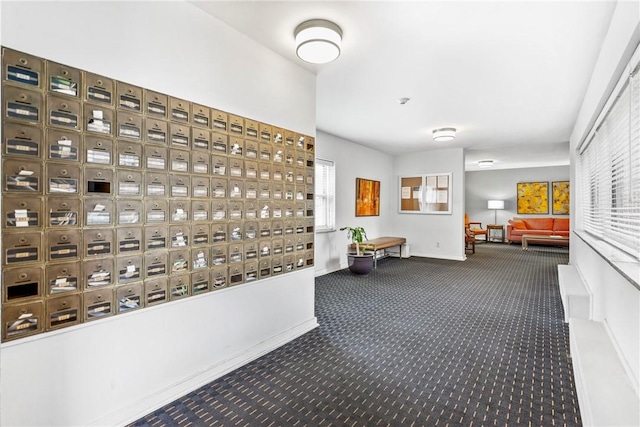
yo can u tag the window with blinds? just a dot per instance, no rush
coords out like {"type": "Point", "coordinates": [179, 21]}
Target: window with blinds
{"type": "Point", "coordinates": [610, 168]}
{"type": "Point", "coordinates": [325, 201]}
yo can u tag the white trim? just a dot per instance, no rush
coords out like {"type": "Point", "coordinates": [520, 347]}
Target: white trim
{"type": "Point", "coordinates": [138, 409]}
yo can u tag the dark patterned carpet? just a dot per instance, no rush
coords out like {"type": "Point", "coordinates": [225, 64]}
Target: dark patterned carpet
{"type": "Point", "coordinates": [419, 342]}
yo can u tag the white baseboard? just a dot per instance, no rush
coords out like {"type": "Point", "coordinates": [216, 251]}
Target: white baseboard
{"type": "Point", "coordinates": [440, 256]}
{"type": "Point", "coordinates": [150, 403]}
{"type": "Point", "coordinates": [322, 271]}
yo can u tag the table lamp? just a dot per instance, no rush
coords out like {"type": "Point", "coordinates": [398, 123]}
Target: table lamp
{"type": "Point", "coordinates": [495, 205]}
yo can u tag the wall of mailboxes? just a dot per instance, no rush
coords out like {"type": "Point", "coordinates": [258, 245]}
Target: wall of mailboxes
{"type": "Point", "coordinates": [116, 197]}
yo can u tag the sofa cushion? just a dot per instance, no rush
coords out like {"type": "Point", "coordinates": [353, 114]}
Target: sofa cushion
{"type": "Point", "coordinates": [539, 223]}
{"type": "Point", "coordinates": [518, 224]}
{"type": "Point", "coordinates": [531, 232]}
{"type": "Point", "coordinates": [561, 224]}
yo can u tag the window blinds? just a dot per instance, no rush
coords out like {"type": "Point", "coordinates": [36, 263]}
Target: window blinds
{"type": "Point", "coordinates": [325, 201]}
{"type": "Point", "coordinates": [610, 169]}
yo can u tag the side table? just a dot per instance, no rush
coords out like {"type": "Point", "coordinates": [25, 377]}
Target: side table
{"type": "Point", "coordinates": [494, 237]}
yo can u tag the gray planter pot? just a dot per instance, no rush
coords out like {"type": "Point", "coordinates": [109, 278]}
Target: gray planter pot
{"type": "Point", "coordinates": [360, 264]}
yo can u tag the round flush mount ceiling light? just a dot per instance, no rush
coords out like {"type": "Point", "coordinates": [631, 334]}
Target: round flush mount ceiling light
{"type": "Point", "coordinates": [485, 163]}
{"type": "Point", "coordinates": [318, 41]}
{"type": "Point", "coordinates": [444, 134]}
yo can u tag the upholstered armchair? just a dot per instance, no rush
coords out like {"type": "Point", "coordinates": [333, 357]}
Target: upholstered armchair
{"type": "Point", "coordinates": [476, 227]}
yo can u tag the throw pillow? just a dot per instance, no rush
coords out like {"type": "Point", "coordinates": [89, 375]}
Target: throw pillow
{"type": "Point", "coordinates": [518, 225]}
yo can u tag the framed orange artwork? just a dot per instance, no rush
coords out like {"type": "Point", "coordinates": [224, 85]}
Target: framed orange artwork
{"type": "Point", "coordinates": [367, 197]}
{"type": "Point", "coordinates": [533, 198]}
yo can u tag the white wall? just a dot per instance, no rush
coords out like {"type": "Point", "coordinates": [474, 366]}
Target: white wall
{"type": "Point", "coordinates": [421, 231]}
{"type": "Point", "coordinates": [502, 185]}
{"type": "Point", "coordinates": [117, 369]}
{"type": "Point", "coordinates": [436, 236]}
{"type": "Point", "coordinates": [352, 161]}
{"type": "Point", "coordinates": [616, 301]}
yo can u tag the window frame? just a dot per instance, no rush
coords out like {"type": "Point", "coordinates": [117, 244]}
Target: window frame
{"type": "Point", "coordinates": [608, 173]}
{"type": "Point", "coordinates": [325, 195]}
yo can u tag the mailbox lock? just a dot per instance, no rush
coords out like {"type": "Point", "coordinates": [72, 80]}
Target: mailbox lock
{"type": "Point", "coordinates": [64, 304]}
{"type": "Point", "coordinates": [63, 271]}
{"type": "Point", "coordinates": [23, 96]}
{"type": "Point", "coordinates": [99, 236]}
{"type": "Point", "coordinates": [22, 276]}
{"type": "Point", "coordinates": [23, 61]}
{"type": "Point", "coordinates": [99, 82]}
{"type": "Point", "coordinates": [64, 238]}
{"type": "Point", "coordinates": [64, 106]}
{"type": "Point", "coordinates": [22, 204]}
{"type": "Point", "coordinates": [63, 172]}
{"type": "Point", "coordinates": [22, 240]}
{"type": "Point", "coordinates": [64, 204]}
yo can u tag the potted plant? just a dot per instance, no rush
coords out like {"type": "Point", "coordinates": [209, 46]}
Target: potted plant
{"type": "Point", "coordinates": [360, 262]}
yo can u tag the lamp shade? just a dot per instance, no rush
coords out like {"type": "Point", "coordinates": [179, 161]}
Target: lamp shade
{"type": "Point", "coordinates": [318, 41]}
{"type": "Point", "coordinates": [495, 204]}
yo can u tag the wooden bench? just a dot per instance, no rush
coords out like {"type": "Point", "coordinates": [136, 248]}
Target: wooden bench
{"type": "Point", "coordinates": [381, 243]}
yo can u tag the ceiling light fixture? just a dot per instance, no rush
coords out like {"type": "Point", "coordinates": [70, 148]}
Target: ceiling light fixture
{"type": "Point", "coordinates": [444, 134]}
{"type": "Point", "coordinates": [485, 163]}
{"type": "Point", "coordinates": [318, 41]}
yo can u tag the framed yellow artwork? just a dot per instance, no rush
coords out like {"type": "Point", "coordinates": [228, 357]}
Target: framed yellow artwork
{"type": "Point", "coordinates": [560, 197]}
{"type": "Point", "coordinates": [533, 198]}
{"type": "Point", "coordinates": [367, 197]}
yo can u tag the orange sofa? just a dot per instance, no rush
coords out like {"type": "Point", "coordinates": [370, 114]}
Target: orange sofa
{"type": "Point", "coordinates": [536, 226]}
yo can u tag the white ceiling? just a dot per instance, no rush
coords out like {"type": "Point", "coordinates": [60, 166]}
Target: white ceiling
{"type": "Point", "coordinates": [509, 75]}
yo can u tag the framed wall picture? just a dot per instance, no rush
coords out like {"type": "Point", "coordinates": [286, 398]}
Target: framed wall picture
{"type": "Point", "coordinates": [560, 197]}
{"type": "Point", "coordinates": [533, 198]}
{"type": "Point", "coordinates": [426, 194]}
{"type": "Point", "coordinates": [367, 197]}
